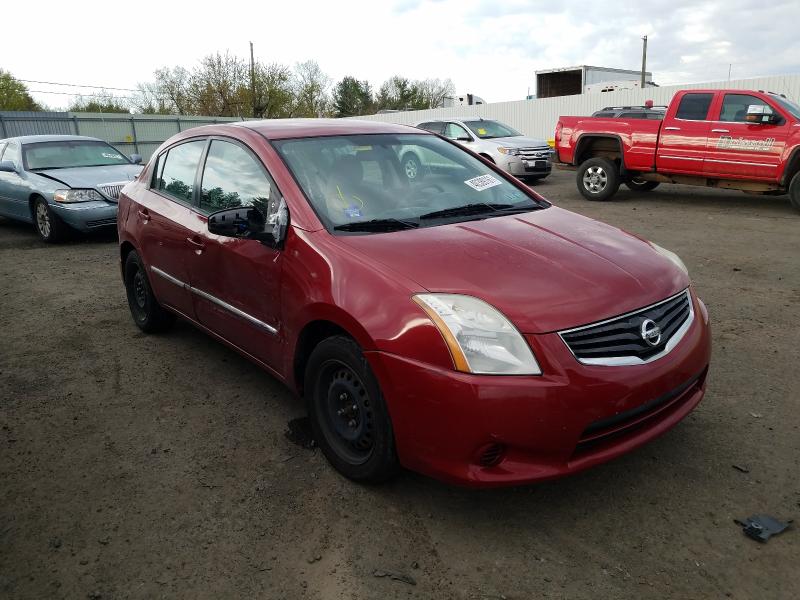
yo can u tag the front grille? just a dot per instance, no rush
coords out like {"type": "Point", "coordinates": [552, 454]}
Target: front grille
{"type": "Point", "coordinates": [112, 190]}
{"type": "Point", "coordinates": [102, 222]}
{"type": "Point", "coordinates": [535, 153]}
{"type": "Point", "coordinates": [623, 340]}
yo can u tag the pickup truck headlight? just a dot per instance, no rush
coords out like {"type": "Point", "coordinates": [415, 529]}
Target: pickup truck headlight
{"type": "Point", "coordinates": [77, 195]}
{"type": "Point", "coordinates": [676, 260]}
{"type": "Point", "coordinates": [510, 151]}
{"type": "Point", "coordinates": [481, 340]}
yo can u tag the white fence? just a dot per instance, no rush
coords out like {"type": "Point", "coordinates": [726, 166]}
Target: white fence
{"type": "Point", "coordinates": [537, 118]}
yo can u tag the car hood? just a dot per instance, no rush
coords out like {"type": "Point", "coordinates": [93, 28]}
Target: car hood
{"type": "Point", "coordinates": [519, 141]}
{"type": "Point", "coordinates": [546, 270]}
{"type": "Point", "coordinates": [90, 177]}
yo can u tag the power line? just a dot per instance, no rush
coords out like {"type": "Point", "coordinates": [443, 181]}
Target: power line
{"type": "Point", "coordinates": [76, 94]}
{"type": "Point", "coordinates": [96, 87]}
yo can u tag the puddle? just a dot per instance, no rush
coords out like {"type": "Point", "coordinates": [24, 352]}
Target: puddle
{"type": "Point", "coordinates": [299, 433]}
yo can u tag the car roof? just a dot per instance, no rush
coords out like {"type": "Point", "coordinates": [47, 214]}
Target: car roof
{"type": "Point", "coordinates": [276, 129]}
{"type": "Point", "coordinates": [32, 139]}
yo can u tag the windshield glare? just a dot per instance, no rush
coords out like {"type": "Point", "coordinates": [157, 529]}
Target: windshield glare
{"type": "Point", "coordinates": [71, 153]}
{"type": "Point", "coordinates": [792, 107]}
{"type": "Point", "coordinates": [491, 129]}
{"type": "Point", "coordinates": [359, 178]}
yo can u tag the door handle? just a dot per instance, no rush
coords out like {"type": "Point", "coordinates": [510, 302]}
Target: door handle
{"type": "Point", "coordinates": [144, 215]}
{"type": "Point", "coordinates": [720, 131]}
{"type": "Point", "coordinates": [199, 246]}
{"type": "Point", "coordinates": [672, 128]}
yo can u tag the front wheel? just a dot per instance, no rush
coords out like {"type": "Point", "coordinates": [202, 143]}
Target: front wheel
{"type": "Point", "coordinates": [598, 179]}
{"type": "Point", "coordinates": [794, 191]}
{"type": "Point", "coordinates": [640, 185]}
{"type": "Point", "coordinates": [147, 313]}
{"type": "Point", "coordinates": [348, 414]}
{"type": "Point", "coordinates": [49, 227]}
{"type": "Point", "coordinates": [412, 167]}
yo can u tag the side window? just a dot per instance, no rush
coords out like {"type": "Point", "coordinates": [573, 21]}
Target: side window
{"type": "Point", "coordinates": [454, 131]}
{"type": "Point", "coordinates": [734, 107]}
{"type": "Point", "coordinates": [13, 154]}
{"type": "Point", "coordinates": [233, 177]}
{"type": "Point", "coordinates": [694, 107]}
{"type": "Point", "coordinates": [175, 177]}
{"type": "Point", "coordinates": [2, 147]}
{"type": "Point", "coordinates": [433, 127]}
{"type": "Point", "coordinates": [633, 115]}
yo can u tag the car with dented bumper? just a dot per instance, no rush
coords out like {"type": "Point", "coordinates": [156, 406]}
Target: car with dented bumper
{"type": "Point", "coordinates": [458, 325]}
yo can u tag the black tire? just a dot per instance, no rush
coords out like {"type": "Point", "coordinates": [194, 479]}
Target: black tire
{"type": "Point", "coordinates": [47, 224]}
{"type": "Point", "coordinates": [412, 167]}
{"type": "Point", "coordinates": [348, 414]}
{"type": "Point", "coordinates": [598, 179]}
{"type": "Point", "coordinates": [794, 191]}
{"type": "Point", "coordinates": [535, 178]}
{"type": "Point", "coordinates": [639, 185]}
{"type": "Point", "coordinates": [147, 313]}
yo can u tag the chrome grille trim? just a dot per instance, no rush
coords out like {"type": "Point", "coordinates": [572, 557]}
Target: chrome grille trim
{"type": "Point", "coordinates": [543, 153]}
{"type": "Point", "coordinates": [112, 189]}
{"type": "Point", "coordinates": [629, 360]}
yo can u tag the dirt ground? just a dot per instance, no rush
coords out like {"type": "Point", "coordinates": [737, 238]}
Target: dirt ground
{"type": "Point", "coordinates": [136, 466]}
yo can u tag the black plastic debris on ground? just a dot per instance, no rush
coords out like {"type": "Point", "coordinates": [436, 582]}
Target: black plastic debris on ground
{"type": "Point", "coordinates": [300, 433]}
{"type": "Point", "coordinates": [761, 527]}
{"type": "Point", "coordinates": [401, 577]}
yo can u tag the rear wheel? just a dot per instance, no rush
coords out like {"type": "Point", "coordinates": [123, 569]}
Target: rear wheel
{"type": "Point", "coordinates": [348, 414]}
{"type": "Point", "coordinates": [598, 179]}
{"type": "Point", "coordinates": [49, 227]}
{"type": "Point", "coordinates": [640, 185]}
{"type": "Point", "coordinates": [794, 191]}
{"type": "Point", "coordinates": [147, 313]}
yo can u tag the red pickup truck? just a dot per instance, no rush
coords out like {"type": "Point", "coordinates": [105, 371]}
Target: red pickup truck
{"type": "Point", "coordinates": [736, 139]}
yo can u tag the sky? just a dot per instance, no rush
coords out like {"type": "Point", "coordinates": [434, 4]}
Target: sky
{"type": "Point", "coordinates": [487, 47]}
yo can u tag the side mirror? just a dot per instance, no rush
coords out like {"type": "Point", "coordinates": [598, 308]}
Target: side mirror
{"type": "Point", "coordinates": [758, 114]}
{"type": "Point", "coordinates": [6, 166]}
{"type": "Point", "coordinates": [249, 222]}
{"type": "Point", "coordinates": [136, 159]}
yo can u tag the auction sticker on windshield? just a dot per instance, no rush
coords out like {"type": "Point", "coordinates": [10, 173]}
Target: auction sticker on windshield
{"type": "Point", "coordinates": [482, 182]}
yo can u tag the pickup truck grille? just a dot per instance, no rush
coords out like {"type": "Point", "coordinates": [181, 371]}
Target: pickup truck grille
{"type": "Point", "coordinates": [633, 338]}
{"type": "Point", "coordinates": [542, 153]}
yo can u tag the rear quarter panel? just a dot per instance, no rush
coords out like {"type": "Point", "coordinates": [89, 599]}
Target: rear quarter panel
{"type": "Point", "coordinates": [638, 139]}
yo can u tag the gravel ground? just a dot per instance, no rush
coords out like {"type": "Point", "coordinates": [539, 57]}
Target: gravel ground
{"type": "Point", "coordinates": [136, 466]}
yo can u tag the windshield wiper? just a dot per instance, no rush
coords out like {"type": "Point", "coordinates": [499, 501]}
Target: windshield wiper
{"type": "Point", "coordinates": [477, 209]}
{"type": "Point", "coordinates": [377, 225]}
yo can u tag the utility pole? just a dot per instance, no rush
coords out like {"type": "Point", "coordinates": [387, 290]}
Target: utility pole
{"type": "Point", "coordinates": [644, 61]}
{"type": "Point", "coordinates": [253, 79]}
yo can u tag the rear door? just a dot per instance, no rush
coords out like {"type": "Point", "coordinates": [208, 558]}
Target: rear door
{"type": "Point", "coordinates": [167, 221]}
{"type": "Point", "coordinates": [236, 282]}
{"type": "Point", "coordinates": [14, 187]}
{"type": "Point", "coordinates": [684, 135]}
{"type": "Point", "coordinates": [738, 149]}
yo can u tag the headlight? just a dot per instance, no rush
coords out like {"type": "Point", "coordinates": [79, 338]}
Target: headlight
{"type": "Point", "coordinates": [69, 196]}
{"type": "Point", "coordinates": [670, 255]}
{"type": "Point", "coordinates": [480, 338]}
{"type": "Point", "coordinates": [511, 151]}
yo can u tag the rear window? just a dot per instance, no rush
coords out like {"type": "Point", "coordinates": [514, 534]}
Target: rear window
{"type": "Point", "coordinates": [694, 107]}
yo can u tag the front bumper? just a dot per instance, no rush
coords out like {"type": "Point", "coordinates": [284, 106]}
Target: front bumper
{"type": "Point", "coordinates": [536, 168]}
{"type": "Point", "coordinates": [571, 418]}
{"type": "Point", "coordinates": [86, 216]}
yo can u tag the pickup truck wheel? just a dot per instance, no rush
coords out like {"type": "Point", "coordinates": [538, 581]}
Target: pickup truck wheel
{"type": "Point", "coordinates": [794, 191]}
{"type": "Point", "coordinates": [598, 179]}
{"type": "Point", "coordinates": [640, 185]}
{"type": "Point", "coordinates": [348, 415]}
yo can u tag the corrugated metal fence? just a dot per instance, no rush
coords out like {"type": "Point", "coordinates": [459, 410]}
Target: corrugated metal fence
{"type": "Point", "coordinates": [538, 118]}
{"type": "Point", "coordinates": [133, 134]}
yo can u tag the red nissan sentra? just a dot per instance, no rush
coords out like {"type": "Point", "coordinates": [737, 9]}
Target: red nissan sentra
{"type": "Point", "coordinates": [453, 322]}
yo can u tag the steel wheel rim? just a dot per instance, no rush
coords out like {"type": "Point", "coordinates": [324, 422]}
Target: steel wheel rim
{"type": "Point", "coordinates": [139, 290]}
{"type": "Point", "coordinates": [43, 219]}
{"type": "Point", "coordinates": [411, 168]}
{"type": "Point", "coordinates": [347, 412]}
{"type": "Point", "coordinates": [595, 179]}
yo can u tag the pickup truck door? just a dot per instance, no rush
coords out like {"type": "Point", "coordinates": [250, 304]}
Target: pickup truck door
{"type": "Point", "coordinates": [738, 149]}
{"type": "Point", "coordinates": [684, 135]}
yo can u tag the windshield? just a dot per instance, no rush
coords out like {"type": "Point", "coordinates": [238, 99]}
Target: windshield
{"type": "Point", "coordinates": [374, 183]}
{"type": "Point", "coordinates": [792, 107]}
{"type": "Point", "coordinates": [491, 129]}
{"type": "Point", "coordinates": [71, 153]}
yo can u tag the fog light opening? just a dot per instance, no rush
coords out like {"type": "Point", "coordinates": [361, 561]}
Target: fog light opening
{"type": "Point", "coordinates": [491, 454]}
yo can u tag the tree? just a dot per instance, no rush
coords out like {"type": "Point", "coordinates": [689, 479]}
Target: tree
{"type": "Point", "coordinates": [399, 93]}
{"type": "Point", "coordinates": [168, 94]}
{"type": "Point", "coordinates": [99, 103]}
{"type": "Point", "coordinates": [274, 91]}
{"type": "Point", "coordinates": [14, 94]}
{"type": "Point", "coordinates": [432, 92]}
{"type": "Point", "coordinates": [310, 90]}
{"type": "Point", "coordinates": [219, 86]}
{"type": "Point", "coordinates": [352, 97]}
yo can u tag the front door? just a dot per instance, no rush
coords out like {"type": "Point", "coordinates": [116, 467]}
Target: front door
{"type": "Point", "coordinates": [738, 149]}
{"type": "Point", "coordinates": [236, 282]}
{"type": "Point", "coordinates": [167, 219]}
{"type": "Point", "coordinates": [14, 188]}
{"type": "Point", "coordinates": [683, 137]}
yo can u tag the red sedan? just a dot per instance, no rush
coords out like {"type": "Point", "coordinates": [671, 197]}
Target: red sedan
{"type": "Point", "coordinates": [455, 323]}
